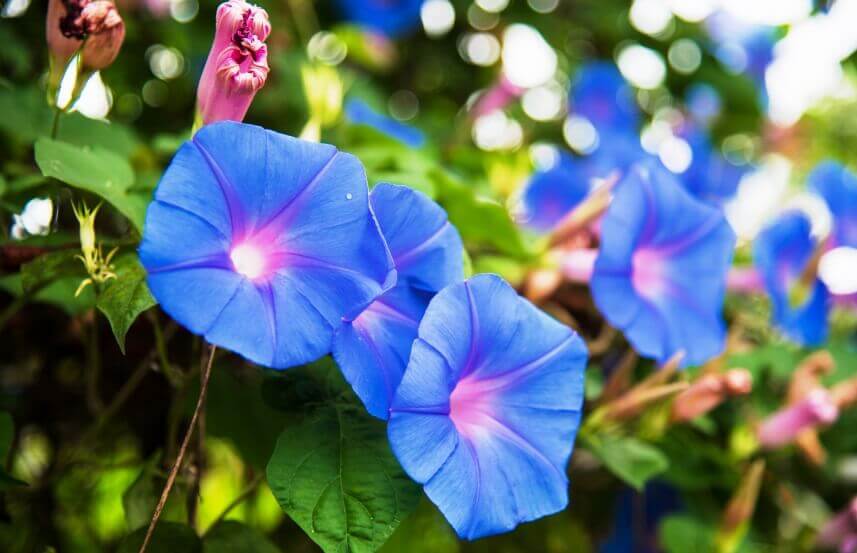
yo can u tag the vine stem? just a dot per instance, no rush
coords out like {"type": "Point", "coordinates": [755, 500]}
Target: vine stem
{"type": "Point", "coordinates": [171, 479]}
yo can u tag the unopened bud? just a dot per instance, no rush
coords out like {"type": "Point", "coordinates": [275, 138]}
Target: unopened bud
{"type": "Point", "coordinates": [104, 31]}
{"type": "Point", "coordinates": [709, 391]}
{"type": "Point", "coordinates": [237, 64]}
{"type": "Point", "coordinates": [783, 427]}
{"type": "Point", "coordinates": [841, 529]}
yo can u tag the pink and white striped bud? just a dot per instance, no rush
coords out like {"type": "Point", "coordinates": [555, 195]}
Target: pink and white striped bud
{"type": "Point", "coordinates": [237, 65]}
{"type": "Point", "coordinates": [841, 530]}
{"type": "Point", "coordinates": [781, 428]}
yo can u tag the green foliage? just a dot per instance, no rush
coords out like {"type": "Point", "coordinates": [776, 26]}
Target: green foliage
{"type": "Point", "coordinates": [230, 536]}
{"type": "Point", "coordinates": [7, 434]}
{"type": "Point", "coordinates": [169, 537]}
{"type": "Point", "coordinates": [334, 474]}
{"type": "Point", "coordinates": [125, 297]}
{"type": "Point", "coordinates": [632, 460]}
{"type": "Point", "coordinates": [97, 170]}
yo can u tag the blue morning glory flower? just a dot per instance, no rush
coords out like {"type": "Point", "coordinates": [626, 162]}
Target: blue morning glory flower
{"type": "Point", "coordinates": [781, 252]}
{"type": "Point", "coordinates": [359, 113]}
{"type": "Point", "coordinates": [703, 103]}
{"type": "Point", "coordinates": [710, 177]}
{"type": "Point", "coordinates": [392, 18]}
{"type": "Point", "coordinates": [373, 349]}
{"type": "Point", "coordinates": [602, 95]}
{"type": "Point", "coordinates": [660, 274]}
{"type": "Point", "coordinates": [262, 242]}
{"type": "Point", "coordinates": [488, 409]}
{"type": "Point", "coordinates": [743, 48]}
{"type": "Point", "coordinates": [552, 193]}
{"type": "Point", "coordinates": [838, 186]}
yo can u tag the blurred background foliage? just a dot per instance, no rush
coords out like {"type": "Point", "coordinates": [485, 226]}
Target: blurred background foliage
{"type": "Point", "coordinates": [94, 429]}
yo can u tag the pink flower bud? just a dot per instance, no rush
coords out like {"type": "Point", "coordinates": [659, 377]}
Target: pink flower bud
{"type": "Point", "coordinates": [237, 65]}
{"type": "Point", "coordinates": [105, 32]}
{"type": "Point", "coordinates": [840, 530]}
{"type": "Point", "coordinates": [60, 31]}
{"type": "Point", "coordinates": [709, 391]}
{"type": "Point", "coordinates": [781, 428]}
{"type": "Point", "coordinates": [71, 22]}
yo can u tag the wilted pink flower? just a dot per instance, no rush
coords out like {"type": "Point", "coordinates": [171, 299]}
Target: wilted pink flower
{"type": "Point", "coordinates": [104, 31]}
{"type": "Point", "coordinates": [237, 64]}
{"type": "Point", "coordinates": [781, 428]}
{"type": "Point", "coordinates": [840, 532]}
{"type": "Point", "coordinates": [71, 22]}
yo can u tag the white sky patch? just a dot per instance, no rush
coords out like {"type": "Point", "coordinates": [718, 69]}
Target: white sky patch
{"type": "Point", "coordinates": [580, 134]}
{"type": "Point", "coordinates": [651, 17]}
{"type": "Point", "coordinates": [759, 197]}
{"type": "Point", "coordinates": [496, 131]}
{"type": "Point", "coordinates": [544, 103]}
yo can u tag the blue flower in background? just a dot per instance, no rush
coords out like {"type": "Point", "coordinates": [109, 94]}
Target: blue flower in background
{"type": "Point", "coordinates": [710, 177]}
{"type": "Point", "coordinates": [488, 409]}
{"type": "Point", "coordinates": [373, 349]}
{"type": "Point", "coordinates": [600, 94]}
{"type": "Point", "coordinates": [359, 113]}
{"type": "Point", "coordinates": [660, 274]}
{"type": "Point", "coordinates": [781, 252]}
{"type": "Point", "coordinates": [262, 242]}
{"type": "Point", "coordinates": [392, 18]}
{"type": "Point", "coordinates": [703, 103]}
{"type": "Point", "coordinates": [638, 518]}
{"type": "Point", "coordinates": [838, 186]}
{"type": "Point", "coordinates": [744, 48]}
{"type": "Point", "coordinates": [552, 193]}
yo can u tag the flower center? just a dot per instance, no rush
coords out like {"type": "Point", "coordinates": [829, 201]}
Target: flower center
{"type": "Point", "coordinates": [248, 260]}
{"type": "Point", "coordinates": [647, 274]}
{"type": "Point", "coordinates": [470, 408]}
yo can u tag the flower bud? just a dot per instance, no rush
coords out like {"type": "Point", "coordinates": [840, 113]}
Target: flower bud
{"type": "Point", "coordinates": [781, 428]}
{"type": "Point", "coordinates": [840, 530]}
{"type": "Point", "coordinates": [709, 391]}
{"type": "Point", "coordinates": [237, 65]}
{"type": "Point", "coordinates": [105, 32]}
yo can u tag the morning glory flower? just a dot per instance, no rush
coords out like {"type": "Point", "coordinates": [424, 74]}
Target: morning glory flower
{"type": "Point", "coordinates": [552, 193]}
{"type": "Point", "coordinates": [710, 177]}
{"type": "Point", "coordinates": [262, 243]}
{"type": "Point", "coordinates": [601, 94]}
{"type": "Point", "coordinates": [838, 187]}
{"type": "Point", "coordinates": [488, 409]}
{"type": "Point", "coordinates": [660, 274]}
{"type": "Point", "coordinates": [781, 253]}
{"type": "Point", "coordinates": [392, 18]}
{"type": "Point", "coordinates": [372, 349]}
{"type": "Point", "coordinates": [359, 113]}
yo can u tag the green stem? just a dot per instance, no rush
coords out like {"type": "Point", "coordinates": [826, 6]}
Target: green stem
{"type": "Point", "coordinates": [55, 126]}
{"type": "Point", "coordinates": [96, 406]}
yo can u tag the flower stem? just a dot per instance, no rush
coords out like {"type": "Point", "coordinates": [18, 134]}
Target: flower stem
{"type": "Point", "coordinates": [171, 479]}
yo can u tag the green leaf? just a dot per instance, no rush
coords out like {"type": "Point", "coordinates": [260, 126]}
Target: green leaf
{"type": "Point", "coordinates": [333, 474]}
{"type": "Point", "coordinates": [59, 293]}
{"type": "Point", "coordinates": [26, 117]}
{"type": "Point", "coordinates": [95, 170]}
{"type": "Point", "coordinates": [50, 267]}
{"type": "Point", "coordinates": [140, 498]}
{"type": "Point", "coordinates": [424, 531]}
{"type": "Point", "coordinates": [234, 389]}
{"type": "Point", "coordinates": [169, 537]}
{"type": "Point", "coordinates": [683, 533]}
{"type": "Point", "coordinates": [233, 537]}
{"type": "Point", "coordinates": [125, 297]}
{"type": "Point", "coordinates": [481, 221]}
{"type": "Point", "coordinates": [7, 434]}
{"type": "Point", "coordinates": [630, 459]}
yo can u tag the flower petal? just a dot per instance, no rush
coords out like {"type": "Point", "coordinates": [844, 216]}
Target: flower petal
{"type": "Point", "coordinates": [507, 381]}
